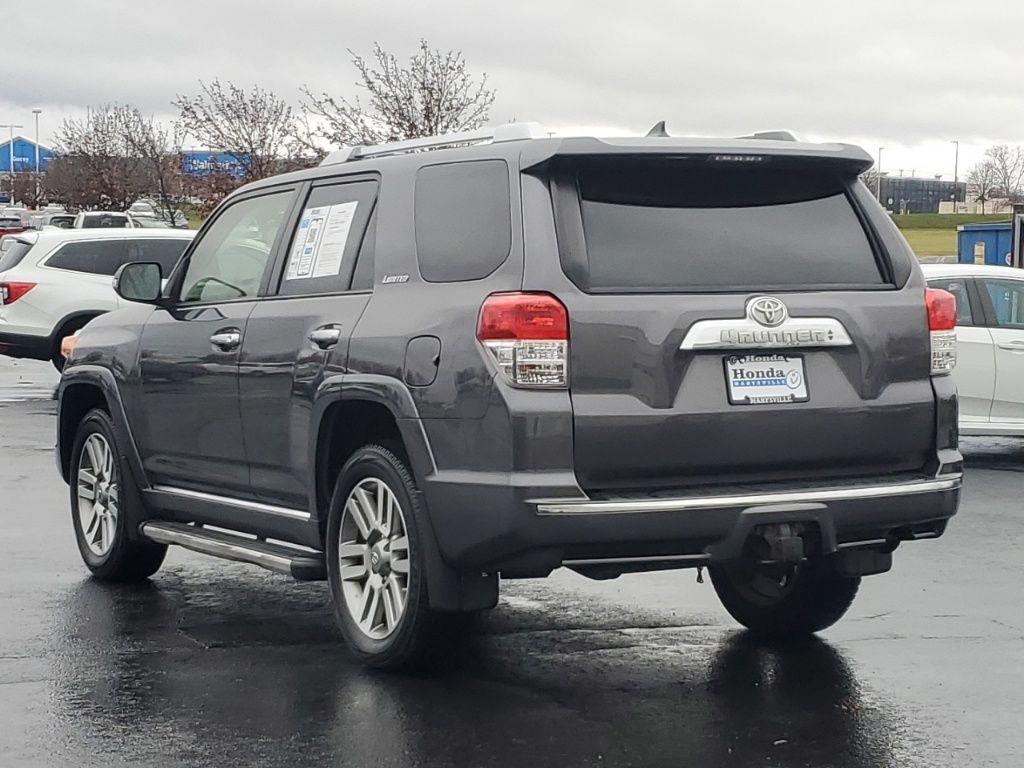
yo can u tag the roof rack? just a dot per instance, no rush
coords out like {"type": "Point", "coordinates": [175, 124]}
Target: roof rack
{"type": "Point", "coordinates": [494, 135]}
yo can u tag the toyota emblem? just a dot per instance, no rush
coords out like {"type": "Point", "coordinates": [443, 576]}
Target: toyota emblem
{"type": "Point", "coordinates": [767, 311]}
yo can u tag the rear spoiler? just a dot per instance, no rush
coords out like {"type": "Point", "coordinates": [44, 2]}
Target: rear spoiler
{"type": "Point", "coordinates": [852, 159]}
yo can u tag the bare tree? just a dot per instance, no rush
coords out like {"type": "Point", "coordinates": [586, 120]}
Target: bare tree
{"type": "Point", "coordinates": [97, 168]}
{"type": "Point", "coordinates": [27, 189]}
{"type": "Point", "coordinates": [159, 148]}
{"type": "Point", "coordinates": [255, 127]}
{"type": "Point", "coordinates": [1008, 165]}
{"type": "Point", "coordinates": [982, 181]}
{"type": "Point", "coordinates": [433, 94]}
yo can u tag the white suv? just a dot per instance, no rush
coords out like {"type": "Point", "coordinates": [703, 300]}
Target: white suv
{"type": "Point", "coordinates": [54, 281]}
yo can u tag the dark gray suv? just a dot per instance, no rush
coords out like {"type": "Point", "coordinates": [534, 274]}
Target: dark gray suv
{"type": "Point", "coordinates": [425, 366]}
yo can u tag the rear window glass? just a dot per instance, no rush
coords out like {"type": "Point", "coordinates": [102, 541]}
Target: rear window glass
{"type": "Point", "coordinates": [98, 257]}
{"type": "Point", "coordinates": [463, 220]}
{"type": "Point", "coordinates": [11, 254]}
{"type": "Point", "coordinates": [690, 225]}
{"type": "Point", "coordinates": [103, 220]}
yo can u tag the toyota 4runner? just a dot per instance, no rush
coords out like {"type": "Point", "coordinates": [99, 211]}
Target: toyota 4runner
{"type": "Point", "coordinates": [422, 367]}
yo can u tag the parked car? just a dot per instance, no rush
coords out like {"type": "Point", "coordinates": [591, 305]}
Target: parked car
{"type": "Point", "coordinates": [103, 220]}
{"type": "Point", "coordinates": [411, 372]}
{"type": "Point", "coordinates": [989, 374]}
{"type": "Point", "coordinates": [159, 223]}
{"type": "Point", "coordinates": [54, 281]}
{"type": "Point", "coordinates": [142, 209]}
{"type": "Point", "coordinates": [60, 220]}
{"type": "Point", "coordinates": [11, 225]}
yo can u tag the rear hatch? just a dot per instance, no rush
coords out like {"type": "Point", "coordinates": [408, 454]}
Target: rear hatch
{"type": "Point", "coordinates": [736, 322]}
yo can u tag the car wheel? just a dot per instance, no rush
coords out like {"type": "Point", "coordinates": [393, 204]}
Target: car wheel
{"type": "Point", "coordinates": [375, 564]}
{"type": "Point", "coordinates": [784, 600]}
{"type": "Point", "coordinates": [106, 506]}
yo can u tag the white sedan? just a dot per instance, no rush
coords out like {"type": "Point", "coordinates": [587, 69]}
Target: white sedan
{"type": "Point", "coordinates": [989, 373]}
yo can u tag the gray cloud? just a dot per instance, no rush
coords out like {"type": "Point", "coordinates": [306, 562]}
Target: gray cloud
{"type": "Point", "coordinates": [910, 75]}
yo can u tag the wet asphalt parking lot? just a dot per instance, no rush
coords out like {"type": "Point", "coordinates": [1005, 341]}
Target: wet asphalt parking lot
{"type": "Point", "coordinates": [222, 664]}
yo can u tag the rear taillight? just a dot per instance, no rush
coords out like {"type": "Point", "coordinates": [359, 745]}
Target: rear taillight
{"type": "Point", "coordinates": [941, 306]}
{"type": "Point", "coordinates": [11, 292]}
{"type": "Point", "coordinates": [527, 334]}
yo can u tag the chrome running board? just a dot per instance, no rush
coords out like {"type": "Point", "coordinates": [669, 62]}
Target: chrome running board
{"type": "Point", "coordinates": [280, 558]}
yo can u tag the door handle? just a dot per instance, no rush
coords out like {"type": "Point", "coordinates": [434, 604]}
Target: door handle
{"type": "Point", "coordinates": [226, 340]}
{"type": "Point", "coordinates": [325, 337]}
{"type": "Point", "coordinates": [1017, 345]}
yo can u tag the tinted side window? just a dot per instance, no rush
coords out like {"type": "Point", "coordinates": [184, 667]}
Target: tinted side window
{"type": "Point", "coordinates": [958, 288]}
{"type": "Point", "coordinates": [463, 220]}
{"type": "Point", "coordinates": [323, 250]}
{"type": "Point", "coordinates": [164, 252]}
{"type": "Point", "coordinates": [98, 257]}
{"type": "Point", "coordinates": [229, 260]}
{"type": "Point", "coordinates": [1007, 297]}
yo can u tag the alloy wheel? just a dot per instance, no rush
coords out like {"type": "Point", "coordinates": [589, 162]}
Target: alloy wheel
{"type": "Point", "coordinates": [97, 490]}
{"type": "Point", "coordinates": [373, 555]}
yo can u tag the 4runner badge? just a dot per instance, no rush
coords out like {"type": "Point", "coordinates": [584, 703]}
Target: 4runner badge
{"type": "Point", "coordinates": [766, 325]}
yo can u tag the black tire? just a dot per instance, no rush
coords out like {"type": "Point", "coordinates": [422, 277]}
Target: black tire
{"type": "Point", "coordinates": [417, 635]}
{"type": "Point", "coordinates": [813, 597]}
{"type": "Point", "coordinates": [124, 556]}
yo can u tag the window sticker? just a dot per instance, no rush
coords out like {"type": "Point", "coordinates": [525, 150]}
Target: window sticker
{"type": "Point", "coordinates": [319, 245]}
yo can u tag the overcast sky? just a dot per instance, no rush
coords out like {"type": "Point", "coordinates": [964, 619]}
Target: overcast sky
{"type": "Point", "coordinates": [908, 75]}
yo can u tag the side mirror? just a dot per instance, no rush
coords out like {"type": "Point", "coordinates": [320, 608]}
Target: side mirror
{"type": "Point", "coordinates": [139, 281]}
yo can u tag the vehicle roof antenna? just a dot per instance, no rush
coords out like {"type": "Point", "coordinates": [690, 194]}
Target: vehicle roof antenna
{"type": "Point", "coordinates": [658, 130]}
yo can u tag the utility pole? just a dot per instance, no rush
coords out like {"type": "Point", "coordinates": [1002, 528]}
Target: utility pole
{"type": "Point", "coordinates": [956, 161]}
{"type": "Point", "coordinates": [10, 147]}
{"type": "Point", "coordinates": [37, 112]}
{"type": "Point", "coordinates": [878, 176]}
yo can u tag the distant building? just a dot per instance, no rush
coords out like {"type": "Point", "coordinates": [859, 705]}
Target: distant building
{"type": "Point", "coordinates": [24, 155]}
{"type": "Point", "coordinates": [908, 194]}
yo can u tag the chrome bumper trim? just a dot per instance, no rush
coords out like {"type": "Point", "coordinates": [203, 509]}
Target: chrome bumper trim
{"type": "Point", "coordinates": [632, 506]}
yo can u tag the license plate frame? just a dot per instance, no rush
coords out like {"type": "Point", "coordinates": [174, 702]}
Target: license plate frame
{"type": "Point", "coordinates": [758, 378]}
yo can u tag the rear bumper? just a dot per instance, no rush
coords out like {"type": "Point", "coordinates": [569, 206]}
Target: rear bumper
{"type": "Point", "coordinates": [25, 345]}
{"type": "Point", "coordinates": [524, 531]}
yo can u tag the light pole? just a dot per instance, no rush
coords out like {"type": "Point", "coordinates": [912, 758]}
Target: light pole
{"type": "Point", "coordinates": [878, 176]}
{"type": "Point", "coordinates": [956, 161]}
{"type": "Point", "coordinates": [37, 112]}
{"type": "Point", "coordinates": [10, 147]}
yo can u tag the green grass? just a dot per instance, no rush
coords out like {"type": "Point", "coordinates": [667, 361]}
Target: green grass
{"type": "Point", "coordinates": [195, 219]}
{"type": "Point", "coordinates": [934, 234]}
{"type": "Point", "coordinates": [932, 242]}
{"type": "Point", "coordinates": [944, 220]}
